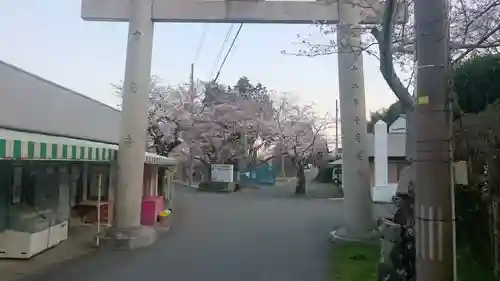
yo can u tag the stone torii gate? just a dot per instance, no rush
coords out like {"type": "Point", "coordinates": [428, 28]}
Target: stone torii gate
{"type": "Point", "coordinates": [141, 15]}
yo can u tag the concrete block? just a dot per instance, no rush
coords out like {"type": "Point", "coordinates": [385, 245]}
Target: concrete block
{"type": "Point", "coordinates": [127, 238]}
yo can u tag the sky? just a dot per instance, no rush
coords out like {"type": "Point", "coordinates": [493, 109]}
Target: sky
{"type": "Point", "coordinates": [49, 39]}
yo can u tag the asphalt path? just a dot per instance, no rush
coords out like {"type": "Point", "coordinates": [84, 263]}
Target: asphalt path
{"type": "Point", "coordinates": [223, 237]}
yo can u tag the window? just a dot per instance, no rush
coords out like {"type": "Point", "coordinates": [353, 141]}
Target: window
{"type": "Point", "coordinates": [34, 194]}
{"type": "Point", "coordinates": [75, 185]}
{"type": "Point", "coordinates": [17, 185]}
{"type": "Point", "coordinates": [5, 183]}
{"type": "Point", "coordinates": [44, 186]}
{"type": "Point", "coordinates": [34, 185]}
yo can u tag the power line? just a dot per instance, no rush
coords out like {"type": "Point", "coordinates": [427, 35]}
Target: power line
{"type": "Point", "coordinates": [222, 47]}
{"type": "Point", "coordinates": [201, 42]}
{"type": "Point", "coordinates": [228, 52]}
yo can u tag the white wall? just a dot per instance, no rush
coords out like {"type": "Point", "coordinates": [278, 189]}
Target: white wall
{"type": "Point", "coordinates": [28, 102]}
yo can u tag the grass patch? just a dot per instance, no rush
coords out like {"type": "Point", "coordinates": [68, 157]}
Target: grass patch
{"type": "Point", "coordinates": [354, 261]}
{"type": "Point", "coordinates": [468, 270]}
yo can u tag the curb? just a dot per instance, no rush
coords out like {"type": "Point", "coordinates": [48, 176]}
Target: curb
{"type": "Point", "coordinates": [342, 199]}
{"type": "Point", "coordinates": [185, 184]}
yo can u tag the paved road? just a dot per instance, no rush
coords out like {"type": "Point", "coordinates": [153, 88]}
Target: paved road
{"type": "Point", "coordinates": [233, 237]}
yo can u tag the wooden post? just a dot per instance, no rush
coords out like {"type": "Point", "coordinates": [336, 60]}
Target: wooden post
{"type": "Point", "coordinates": [99, 186]}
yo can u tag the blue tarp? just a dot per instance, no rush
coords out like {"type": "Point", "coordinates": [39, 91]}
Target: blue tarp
{"type": "Point", "coordinates": [263, 174]}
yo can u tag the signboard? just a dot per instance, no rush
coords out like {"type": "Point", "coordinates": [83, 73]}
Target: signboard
{"type": "Point", "coordinates": [222, 173]}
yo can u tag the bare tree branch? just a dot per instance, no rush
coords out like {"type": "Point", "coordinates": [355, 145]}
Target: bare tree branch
{"type": "Point", "coordinates": [474, 29]}
{"type": "Point", "coordinates": [472, 47]}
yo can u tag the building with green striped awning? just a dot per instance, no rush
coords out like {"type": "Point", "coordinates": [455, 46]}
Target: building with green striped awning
{"type": "Point", "coordinates": [64, 179]}
{"type": "Point", "coordinates": [16, 145]}
{"type": "Point", "coordinates": [58, 168]}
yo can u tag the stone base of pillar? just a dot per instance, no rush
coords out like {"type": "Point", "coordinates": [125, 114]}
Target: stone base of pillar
{"type": "Point", "coordinates": [343, 235]}
{"type": "Point", "coordinates": [127, 238]}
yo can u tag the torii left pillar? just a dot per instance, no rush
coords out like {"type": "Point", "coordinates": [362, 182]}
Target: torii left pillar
{"type": "Point", "coordinates": [127, 232]}
{"type": "Point", "coordinates": [357, 204]}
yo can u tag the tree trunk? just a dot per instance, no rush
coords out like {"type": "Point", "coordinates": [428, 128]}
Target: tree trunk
{"type": "Point", "coordinates": [401, 264]}
{"type": "Point", "coordinates": [190, 161]}
{"type": "Point", "coordinates": [402, 257]}
{"type": "Point", "coordinates": [209, 172]}
{"type": "Point", "coordinates": [410, 148]}
{"type": "Point", "coordinates": [283, 173]}
{"type": "Point", "coordinates": [300, 187]}
{"type": "Point", "coordinates": [493, 180]}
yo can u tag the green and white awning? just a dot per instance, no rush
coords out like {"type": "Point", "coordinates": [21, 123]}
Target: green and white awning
{"type": "Point", "coordinates": [156, 159]}
{"type": "Point", "coordinates": [15, 145]}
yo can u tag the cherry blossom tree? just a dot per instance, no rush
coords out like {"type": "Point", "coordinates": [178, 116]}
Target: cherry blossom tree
{"type": "Point", "coordinates": [216, 132]}
{"type": "Point", "coordinates": [209, 132]}
{"type": "Point", "coordinates": [474, 29]}
{"type": "Point", "coordinates": [300, 133]}
{"type": "Point", "coordinates": [213, 132]}
{"type": "Point", "coordinates": [170, 113]}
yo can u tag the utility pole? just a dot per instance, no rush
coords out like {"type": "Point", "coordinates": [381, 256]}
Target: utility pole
{"type": "Point", "coordinates": [336, 126]}
{"type": "Point", "coordinates": [191, 80]}
{"type": "Point", "coordinates": [434, 215]}
{"type": "Point", "coordinates": [191, 93]}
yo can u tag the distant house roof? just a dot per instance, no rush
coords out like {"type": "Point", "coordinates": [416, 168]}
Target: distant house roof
{"type": "Point", "coordinates": [399, 125]}
{"type": "Point", "coordinates": [334, 163]}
